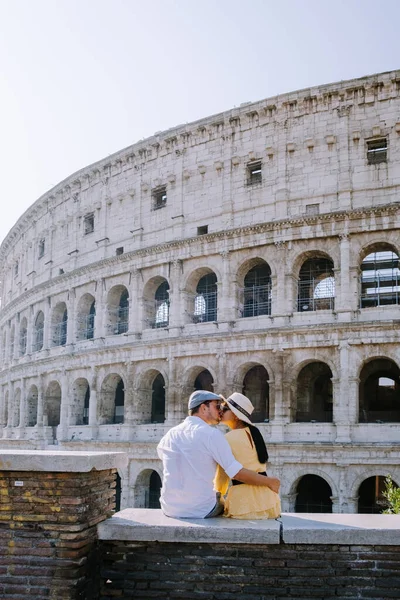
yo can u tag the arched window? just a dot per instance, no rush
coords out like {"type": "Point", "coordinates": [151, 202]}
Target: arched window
{"type": "Point", "coordinates": [314, 400]}
{"type": "Point", "coordinates": [154, 490]}
{"type": "Point", "coordinates": [158, 400]}
{"type": "Point", "coordinates": [38, 330]}
{"type": "Point", "coordinates": [111, 402]}
{"type": "Point", "coordinates": [255, 296]}
{"type": "Point", "coordinates": [380, 278]}
{"type": "Point", "coordinates": [86, 316]}
{"type": "Point", "coordinates": [23, 330]}
{"type": "Point", "coordinates": [52, 404]}
{"type": "Point", "coordinates": [256, 388]}
{"type": "Point", "coordinates": [316, 286]}
{"type": "Point", "coordinates": [161, 307]}
{"type": "Point", "coordinates": [205, 301]}
{"type": "Point", "coordinates": [313, 495]}
{"type": "Point", "coordinates": [32, 401]}
{"type": "Point", "coordinates": [370, 495]}
{"type": "Point", "coordinates": [379, 392]}
{"type": "Point", "coordinates": [204, 381]}
{"type": "Point", "coordinates": [79, 402]}
{"type": "Point", "coordinates": [59, 325]}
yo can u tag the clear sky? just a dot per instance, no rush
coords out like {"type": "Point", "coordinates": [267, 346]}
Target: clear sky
{"type": "Point", "coordinates": [81, 79]}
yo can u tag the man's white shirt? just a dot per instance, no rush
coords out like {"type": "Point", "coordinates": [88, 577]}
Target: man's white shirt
{"type": "Point", "coordinates": [190, 453]}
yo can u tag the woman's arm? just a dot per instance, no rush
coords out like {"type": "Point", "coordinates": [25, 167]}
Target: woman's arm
{"type": "Point", "coordinates": [221, 481]}
{"type": "Point", "coordinates": [252, 478]}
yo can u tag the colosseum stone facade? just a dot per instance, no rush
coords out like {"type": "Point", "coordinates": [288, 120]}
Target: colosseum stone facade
{"type": "Point", "coordinates": [253, 250]}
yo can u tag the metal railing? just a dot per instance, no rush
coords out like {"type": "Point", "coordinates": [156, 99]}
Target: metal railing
{"type": "Point", "coordinates": [205, 307]}
{"type": "Point", "coordinates": [255, 300]}
{"type": "Point", "coordinates": [120, 317]}
{"type": "Point", "coordinates": [86, 327]}
{"type": "Point", "coordinates": [316, 294]}
{"type": "Point", "coordinates": [37, 343]}
{"type": "Point", "coordinates": [159, 311]}
{"type": "Point", "coordinates": [59, 334]}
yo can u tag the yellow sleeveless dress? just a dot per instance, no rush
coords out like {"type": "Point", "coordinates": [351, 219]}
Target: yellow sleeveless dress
{"type": "Point", "coordinates": [246, 501]}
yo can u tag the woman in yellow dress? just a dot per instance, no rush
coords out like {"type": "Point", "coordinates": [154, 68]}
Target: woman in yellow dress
{"type": "Point", "coordinates": [245, 501]}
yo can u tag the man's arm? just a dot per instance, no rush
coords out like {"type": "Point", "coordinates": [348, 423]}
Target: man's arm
{"type": "Point", "coordinates": [252, 478]}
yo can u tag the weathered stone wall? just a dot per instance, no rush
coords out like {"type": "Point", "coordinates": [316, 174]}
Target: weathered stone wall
{"type": "Point", "coordinates": [143, 570]}
{"type": "Point", "coordinates": [317, 196]}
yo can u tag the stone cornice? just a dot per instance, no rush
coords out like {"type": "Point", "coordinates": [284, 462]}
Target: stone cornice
{"type": "Point", "coordinates": [273, 226]}
{"type": "Point", "coordinates": [339, 96]}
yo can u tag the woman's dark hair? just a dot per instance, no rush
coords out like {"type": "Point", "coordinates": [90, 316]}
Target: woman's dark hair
{"type": "Point", "coordinates": [259, 443]}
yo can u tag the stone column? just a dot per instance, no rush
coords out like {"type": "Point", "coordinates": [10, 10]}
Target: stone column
{"type": "Point", "coordinates": [171, 394]}
{"type": "Point", "coordinates": [93, 424]}
{"type": "Point", "coordinates": [2, 407]}
{"type": "Point", "coordinates": [71, 324]}
{"type": "Point", "coordinates": [47, 324]}
{"type": "Point", "coordinates": [129, 411]}
{"type": "Point", "coordinates": [277, 412]}
{"type": "Point", "coordinates": [280, 304]}
{"type": "Point", "coordinates": [29, 333]}
{"type": "Point", "coordinates": [40, 404]}
{"type": "Point", "coordinates": [22, 411]}
{"type": "Point", "coordinates": [289, 302]}
{"type": "Point", "coordinates": [136, 302]}
{"type": "Point", "coordinates": [99, 324]}
{"type": "Point", "coordinates": [341, 414]}
{"type": "Point", "coordinates": [227, 292]}
{"type": "Point", "coordinates": [62, 429]}
{"type": "Point", "coordinates": [175, 295]}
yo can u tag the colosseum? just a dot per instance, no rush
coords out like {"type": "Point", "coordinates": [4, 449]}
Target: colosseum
{"type": "Point", "coordinates": [256, 250]}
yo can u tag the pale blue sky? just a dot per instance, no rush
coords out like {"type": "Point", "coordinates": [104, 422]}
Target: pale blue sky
{"type": "Point", "coordinates": [81, 79]}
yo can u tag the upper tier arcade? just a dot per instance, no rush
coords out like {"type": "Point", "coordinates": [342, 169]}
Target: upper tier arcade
{"type": "Point", "coordinates": [286, 159]}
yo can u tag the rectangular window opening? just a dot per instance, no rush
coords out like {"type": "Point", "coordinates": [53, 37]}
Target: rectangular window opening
{"type": "Point", "coordinates": [312, 209]}
{"type": "Point", "coordinates": [88, 223]}
{"type": "Point", "coordinates": [202, 230]}
{"type": "Point", "coordinates": [254, 173]}
{"type": "Point", "coordinates": [377, 151]}
{"type": "Point", "coordinates": [159, 196]}
{"type": "Point", "coordinates": [119, 251]}
{"type": "Point", "coordinates": [41, 248]}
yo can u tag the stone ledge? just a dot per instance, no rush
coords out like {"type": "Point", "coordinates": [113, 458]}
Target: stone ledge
{"type": "Point", "coordinates": [345, 529]}
{"type": "Point", "coordinates": [147, 525]}
{"type": "Point", "coordinates": [60, 461]}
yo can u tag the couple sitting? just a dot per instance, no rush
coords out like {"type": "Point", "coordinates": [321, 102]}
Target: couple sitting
{"type": "Point", "coordinates": [199, 462]}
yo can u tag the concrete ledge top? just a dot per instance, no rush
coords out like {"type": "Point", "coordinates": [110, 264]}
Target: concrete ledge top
{"type": "Point", "coordinates": [313, 528]}
{"type": "Point", "coordinates": [144, 524]}
{"type": "Point", "coordinates": [147, 525]}
{"type": "Point", "coordinates": [60, 461]}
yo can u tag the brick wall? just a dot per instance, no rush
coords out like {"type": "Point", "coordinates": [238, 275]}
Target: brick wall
{"type": "Point", "coordinates": [144, 570]}
{"type": "Point", "coordinates": [48, 532]}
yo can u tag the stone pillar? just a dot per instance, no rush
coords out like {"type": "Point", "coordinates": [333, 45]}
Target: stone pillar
{"type": "Point", "coordinates": [227, 292]}
{"type": "Point", "coordinates": [93, 423]}
{"type": "Point", "coordinates": [62, 429]}
{"type": "Point", "coordinates": [129, 410]}
{"type": "Point", "coordinates": [2, 407]}
{"type": "Point", "coordinates": [175, 295]}
{"type": "Point", "coordinates": [22, 411]}
{"type": "Point", "coordinates": [40, 405]}
{"type": "Point", "coordinates": [353, 400]}
{"type": "Point", "coordinates": [57, 535]}
{"type": "Point", "coordinates": [71, 324]}
{"type": "Point", "coordinates": [171, 394]}
{"type": "Point", "coordinates": [341, 414]}
{"type": "Point", "coordinates": [280, 302]}
{"type": "Point", "coordinates": [99, 322]}
{"type": "Point", "coordinates": [47, 324]}
{"type": "Point", "coordinates": [276, 390]}
{"type": "Point", "coordinates": [343, 302]}
{"type": "Point", "coordinates": [136, 302]}
{"type": "Point", "coordinates": [289, 302]}
{"type": "Point", "coordinates": [29, 333]}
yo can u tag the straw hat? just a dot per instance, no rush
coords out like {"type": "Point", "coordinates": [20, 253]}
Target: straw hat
{"type": "Point", "coordinates": [241, 406]}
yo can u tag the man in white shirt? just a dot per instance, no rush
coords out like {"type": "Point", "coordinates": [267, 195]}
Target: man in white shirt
{"type": "Point", "coordinates": [190, 453]}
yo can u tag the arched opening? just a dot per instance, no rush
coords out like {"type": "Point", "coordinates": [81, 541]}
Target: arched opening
{"type": "Point", "coordinates": [255, 296]}
{"type": "Point", "coordinates": [59, 325]}
{"type": "Point", "coordinates": [154, 490]}
{"type": "Point", "coordinates": [380, 278]}
{"type": "Point", "coordinates": [118, 310]}
{"type": "Point", "coordinates": [313, 495]}
{"type": "Point", "coordinates": [158, 400]}
{"type": "Point", "coordinates": [205, 301]}
{"type": "Point", "coordinates": [147, 489]}
{"type": "Point", "coordinates": [15, 421]}
{"type": "Point", "coordinates": [316, 285]}
{"type": "Point", "coordinates": [204, 381]}
{"type": "Point", "coordinates": [314, 397]}
{"type": "Point", "coordinates": [256, 388]}
{"type": "Point", "coordinates": [379, 392]}
{"type": "Point", "coordinates": [32, 405]}
{"type": "Point", "coordinates": [52, 404]}
{"type": "Point", "coordinates": [118, 493]}
{"type": "Point", "coordinates": [112, 401]}
{"type": "Point", "coordinates": [79, 407]}
{"type": "Point", "coordinates": [86, 316]}
{"type": "Point", "coordinates": [370, 495]}
{"type": "Point", "coordinates": [156, 303]}
{"type": "Point", "coordinates": [38, 331]}
{"type": "Point", "coordinates": [23, 331]}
